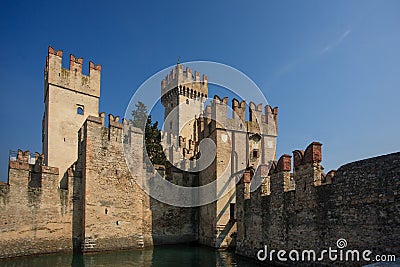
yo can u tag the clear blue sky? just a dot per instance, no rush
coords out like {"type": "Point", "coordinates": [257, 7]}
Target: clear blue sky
{"type": "Point", "coordinates": [332, 67]}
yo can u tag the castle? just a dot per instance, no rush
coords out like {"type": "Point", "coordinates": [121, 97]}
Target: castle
{"type": "Point", "coordinates": [80, 195]}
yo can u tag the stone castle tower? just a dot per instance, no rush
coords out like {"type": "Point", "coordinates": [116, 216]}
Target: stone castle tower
{"type": "Point", "coordinates": [98, 204]}
{"type": "Point", "coordinates": [240, 144]}
{"type": "Point", "coordinates": [183, 97]}
{"type": "Point", "coordinates": [69, 97]}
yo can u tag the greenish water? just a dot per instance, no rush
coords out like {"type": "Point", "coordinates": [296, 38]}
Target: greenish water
{"type": "Point", "coordinates": [157, 256]}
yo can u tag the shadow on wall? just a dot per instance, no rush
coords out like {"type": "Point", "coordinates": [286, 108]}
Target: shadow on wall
{"type": "Point", "coordinates": [171, 224]}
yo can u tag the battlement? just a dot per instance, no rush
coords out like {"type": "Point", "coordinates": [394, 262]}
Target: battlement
{"type": "Point", "coordinates": [116, 130]}
{"type": "Point", "coordinates": [343, 204]}
{"type": "Point", "coordinates": [283, 164]}
{"type": "Point", "coordinates": [306, 178]}
{"type": "Point", "coordinates": [175, 147]}
{"type": "Point", "coordinates": [185, 82]}
{"type": "Point", "coordinates": [312, 154]}
{"type": "Point", "coordinates": [306, 171]}
{"type": "Point", "coordinates": [71, 78]}
{"type": "Point", "coordinates": [25, 160]}
{"type": "Point", "coordinates": [26, 170]}
{"type": "Point", "coordinates": [259, 121]}
{"type": "Point", "coordinates": [113, 121]}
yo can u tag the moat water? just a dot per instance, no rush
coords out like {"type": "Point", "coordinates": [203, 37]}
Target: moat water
{"type": "Point", "coordinates": [177, 255]}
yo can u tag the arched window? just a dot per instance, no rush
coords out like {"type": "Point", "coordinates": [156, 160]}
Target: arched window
{"type": "Point", "coordinates": [79, 110]}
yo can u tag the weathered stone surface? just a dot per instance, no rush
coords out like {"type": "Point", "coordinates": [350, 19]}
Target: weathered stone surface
{"type": "Point", "coordinates": [66, 91]}
{"type": "Point", "coordinates": [90, 201]}
{"type": "Point", "coordinates": [114, 213]}
{"type": "Point", "coordinates": [36, 214]}
{"type": "Point", "coordinates": [240, 145]}
{"type": "Point", "coordinates": [359, 204]}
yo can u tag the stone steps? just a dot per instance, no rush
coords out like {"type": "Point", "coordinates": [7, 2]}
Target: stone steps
{"type": "Point", "coordinates": [140, 241]}
{"type": "Point", "coordinates": [89, 243]}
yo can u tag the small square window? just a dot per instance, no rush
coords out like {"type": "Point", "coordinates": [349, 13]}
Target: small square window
{"type": "Point", "coordinates": [80, 110]}
{"type": "Point", "coordinates": [255, 153]}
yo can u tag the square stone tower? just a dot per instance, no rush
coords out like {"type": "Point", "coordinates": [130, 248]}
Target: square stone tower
{"type": "Point", "coordinates": [69, 97]}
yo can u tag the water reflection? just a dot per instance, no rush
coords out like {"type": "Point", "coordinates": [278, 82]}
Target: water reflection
{"type": "Point", "coordinates": [158, 256]}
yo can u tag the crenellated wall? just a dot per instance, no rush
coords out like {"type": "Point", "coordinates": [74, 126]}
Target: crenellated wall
{"type": "Point", "coordinates": [309, 209]}
{"type": "Point", "coordinates": [35, 212]}
{"type": "Point", "coordinates": [71, 78]}
{"type": "Point", "coordinates": [259, 122]}
{"type": "Point", "coordinates": [111, 211]}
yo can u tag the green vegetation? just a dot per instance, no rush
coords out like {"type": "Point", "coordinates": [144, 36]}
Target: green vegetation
{"type": "Point", "coordinates": [152, 134]}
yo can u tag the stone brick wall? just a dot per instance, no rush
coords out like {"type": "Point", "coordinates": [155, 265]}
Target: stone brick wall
{"type": "Point", "coordinates": [240, 144]}
{"type": "Point", "coordinates": [111, 211]}
{"type": "Point", "coordinates": [359, 203]}
{"type": "Point", "coordinates": [236, 141]}
{"type": "Point", "coordinates": [171, 224]}
{"type": "Point", "coordinates": [115, 211]}
{"type": "Point", "coordinates": [35, 214]}
{"type": "Point", "coordinates": [96, 206]}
